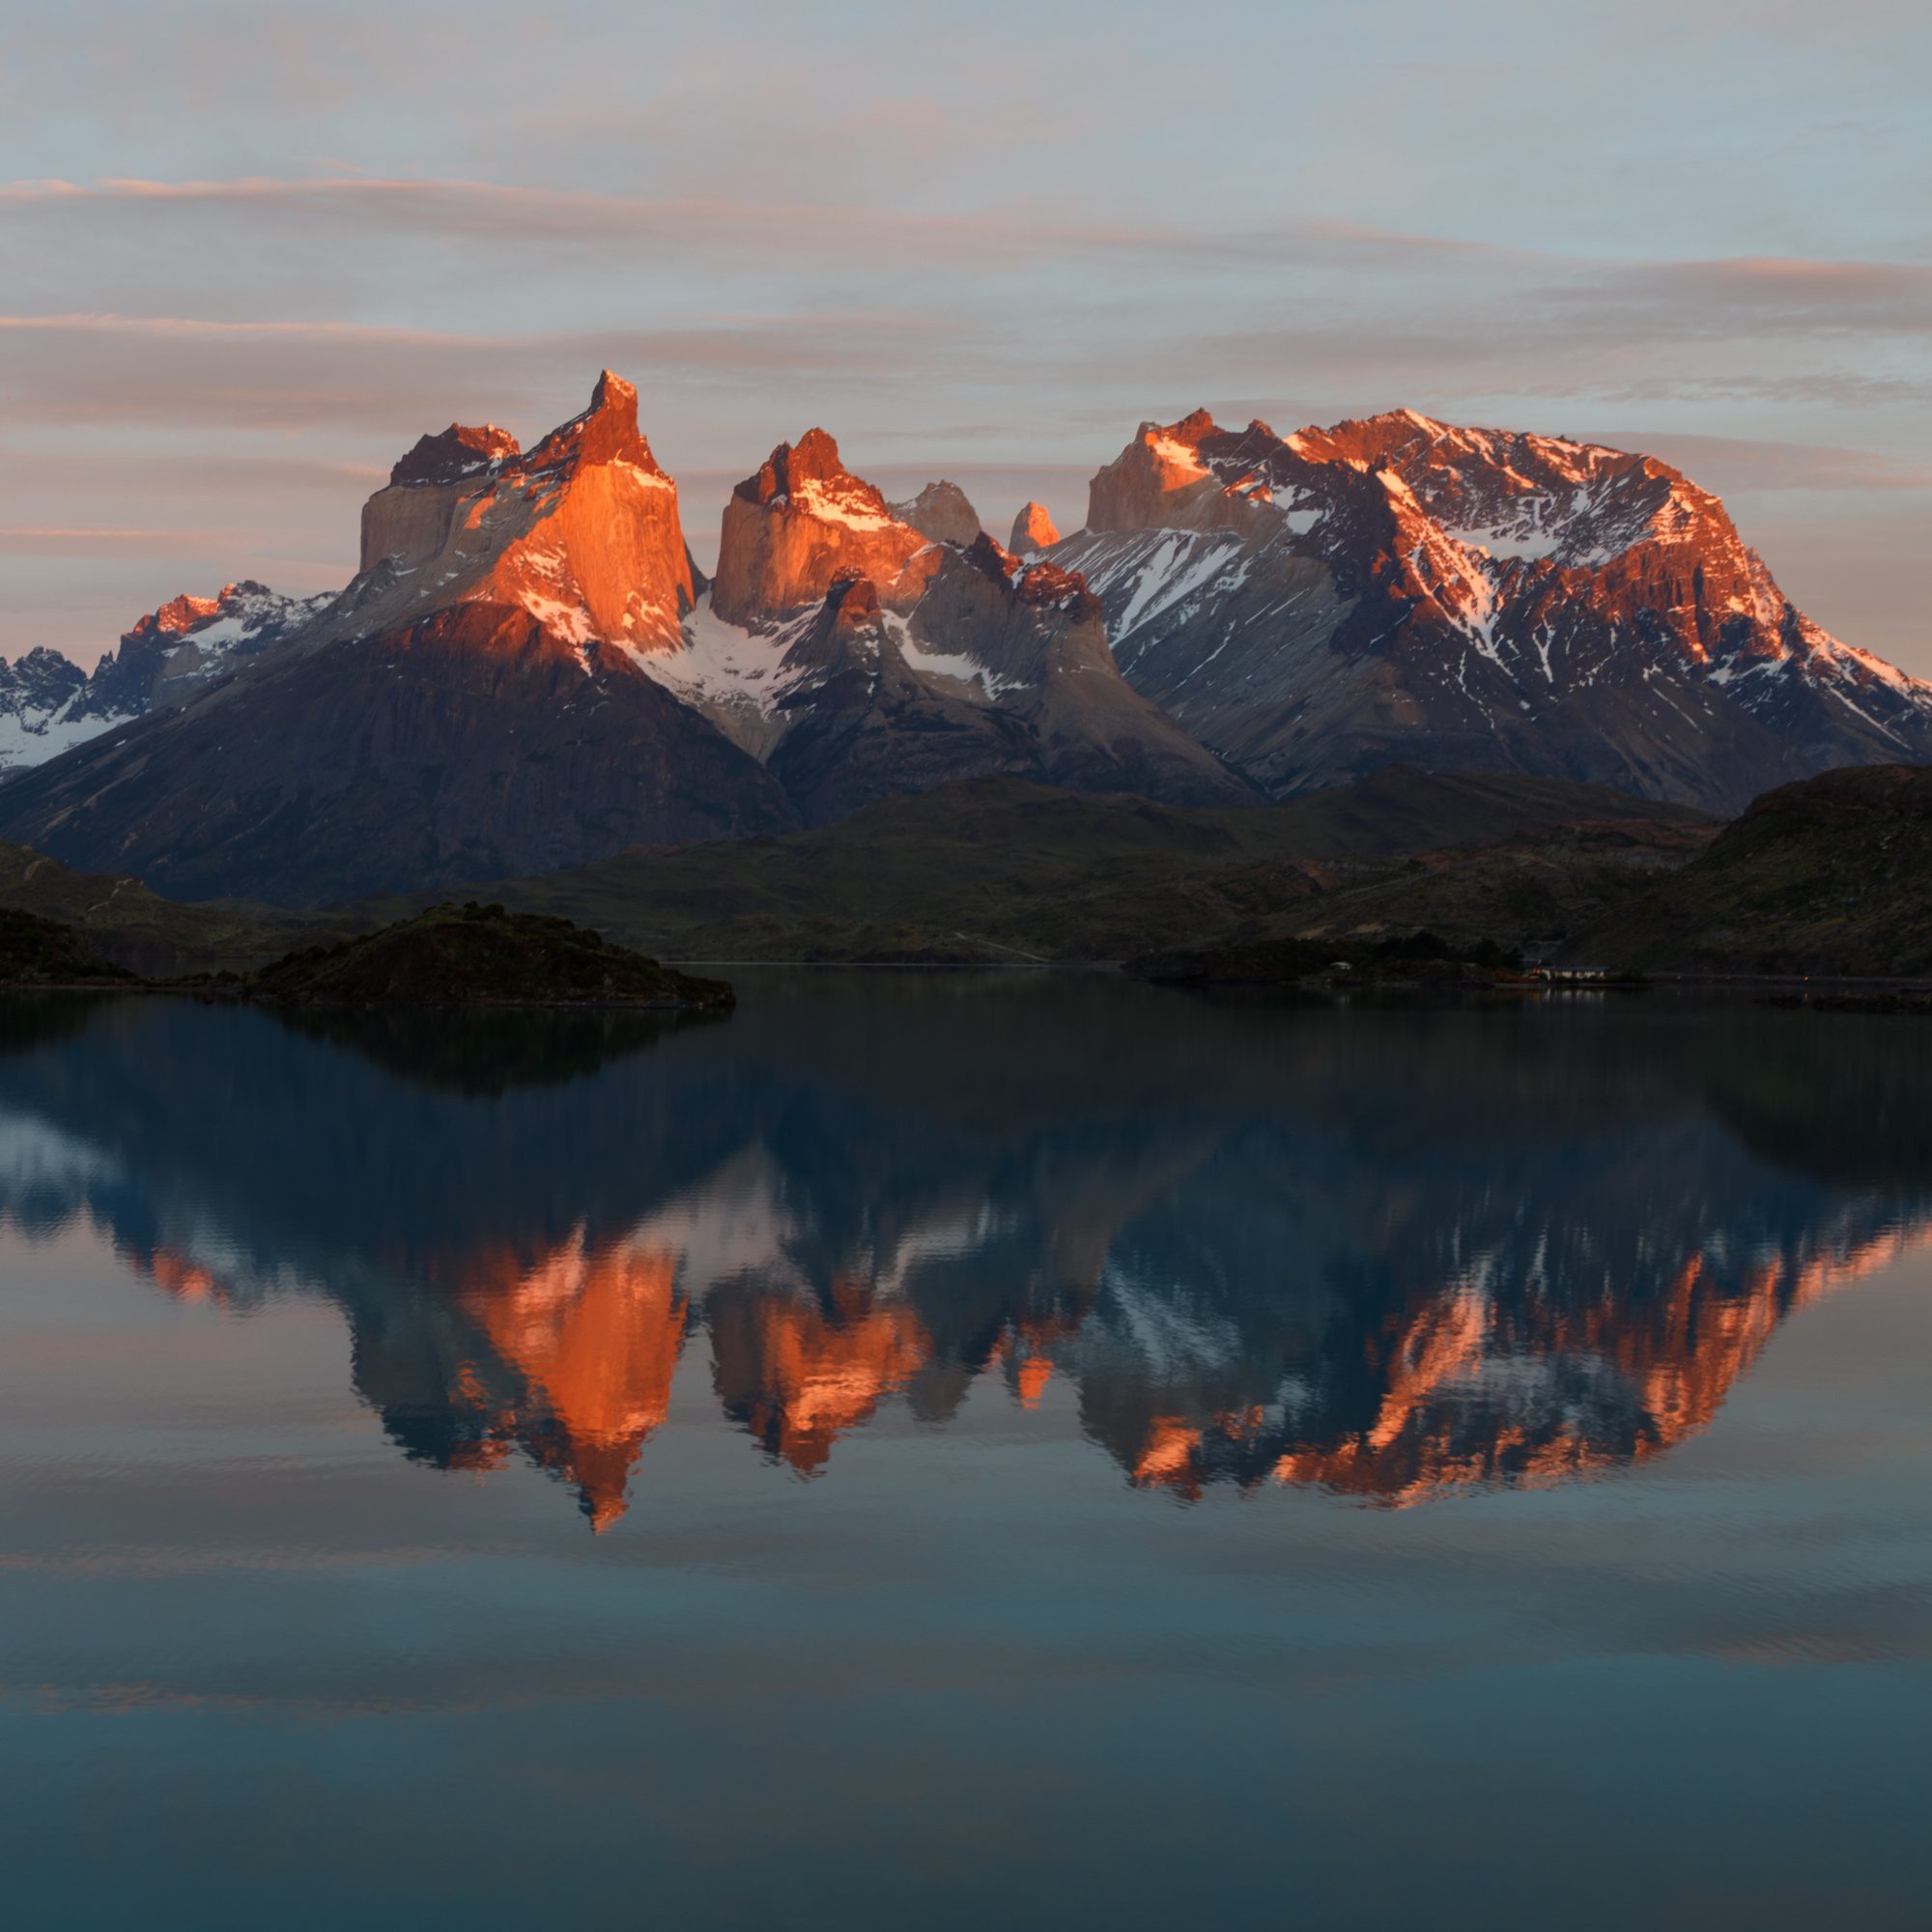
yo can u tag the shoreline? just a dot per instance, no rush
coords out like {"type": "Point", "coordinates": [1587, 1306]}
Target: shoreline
{"type": "Point", "coordinates": [1828, 985]}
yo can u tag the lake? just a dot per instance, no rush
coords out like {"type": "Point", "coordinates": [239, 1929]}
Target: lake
{"type": "Point", "coordinates": [966, 1450]}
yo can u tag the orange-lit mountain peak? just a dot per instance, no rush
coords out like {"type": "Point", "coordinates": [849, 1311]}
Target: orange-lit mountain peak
{"type": "Point", "coordinates": [607, 432]}
{"type": "Point", "coordinates": [1033, 529]}
{"type": "Point", "coordinates": [581, 533]}
{"type": "Point", "coordinates": [1164, 479]}
{"type": "Point", "coordinates": [796, 523]}
{"type": "Point", "coordinates": [1191, 431]}
{"type": "Point", "coordinates": [182, 613]}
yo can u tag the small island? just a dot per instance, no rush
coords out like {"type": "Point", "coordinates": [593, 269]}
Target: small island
{"type": "Point", "coordinates": [1273, 959]}
{"type": "Point", "coordinates": [450, 956]}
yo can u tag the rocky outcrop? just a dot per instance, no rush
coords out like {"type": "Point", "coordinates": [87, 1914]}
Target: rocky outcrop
{"type": "Point", "coordinates": [1162, 481]}
{"type": "Point", "coordinates": [857, 721]}
{"type": "Point", "coordinates": [996, 669]}
{"type": "Point", "coordinates": [1398, 589]}
{"type": "Point", "coordinates": [459, 453]}
{"type": "Point", "coordinates": [942, 513]}
{"type": "Point", "coordinates": [1032, 530]}
{"type": "Point", "coordinates": [795, 524]}
{"type": "Point", "coordinates": [36, 693]}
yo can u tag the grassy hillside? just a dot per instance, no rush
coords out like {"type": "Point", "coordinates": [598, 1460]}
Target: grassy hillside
{"type": "Point", "coordinates": [131, 926]}
{"type": "Point", "coordinates": [1000, 869]}
{"type": "Point", "coordinates": [1830, 875]}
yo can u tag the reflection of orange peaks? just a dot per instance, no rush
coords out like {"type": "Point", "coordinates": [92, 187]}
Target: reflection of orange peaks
{"type": "Point", "coordinates": [595, 1339]}
{"type": "Point", "coordinates": [1170, 1460]}
{"type": "Point", "coordinates": [799, 1374]}
{"type": "Point", "coordinates": [179, 1277]}
{"type": "Point", "coordinates": [1022, 1350]}
{"type": "Point", "coordinates": [1441, 1427]}
{"type": "Point", "coordinates": [1031, 1378]}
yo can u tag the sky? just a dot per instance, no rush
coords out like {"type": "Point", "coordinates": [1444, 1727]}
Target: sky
{"type": "Point", "coordinates": [248, 253]}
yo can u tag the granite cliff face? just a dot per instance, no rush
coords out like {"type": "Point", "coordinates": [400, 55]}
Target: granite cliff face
{"type": "Point", "coordinates": [1400, 589]}
{"type": "Point", "coordinates": [795, 524]}
{"type": "Point", "coordinates": [583, 532]}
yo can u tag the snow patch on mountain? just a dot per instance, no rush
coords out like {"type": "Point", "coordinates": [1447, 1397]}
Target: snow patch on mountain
{"type": "Point", "coordinates": [830, 504]}
{"type": "Point", "coordinates": [25, 740]}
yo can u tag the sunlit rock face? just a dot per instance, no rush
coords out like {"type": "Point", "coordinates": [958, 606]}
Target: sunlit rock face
{"type": "Point", "coordinates": [1400, 589]}
{"type": "Point", "coordinates": [410, 520]}
{"type": "Point", "coordinates": [583, 532]}
{"type": "Point", "coordinates": [941, 512]}
{"type": "Point", "coordinates": [799, 522]}
{"type": "Point", "coordinates": [1033, 529]}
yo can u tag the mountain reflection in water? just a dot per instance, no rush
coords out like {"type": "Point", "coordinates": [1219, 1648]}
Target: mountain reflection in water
{"type": "Point", "coordinates": [1388, 1252]}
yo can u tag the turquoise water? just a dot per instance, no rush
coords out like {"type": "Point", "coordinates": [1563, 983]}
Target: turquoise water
{"type": "Point", "coordinates": [954, 1450]}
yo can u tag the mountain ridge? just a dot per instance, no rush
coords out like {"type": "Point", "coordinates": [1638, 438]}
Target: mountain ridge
{"type": "Point", "coordinates": [1307, 604]}
{"type": "Point", "coordinates": [529, 672]}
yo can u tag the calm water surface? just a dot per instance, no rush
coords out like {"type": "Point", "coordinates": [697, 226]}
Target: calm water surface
{"type": "Point", "coordinates": [965, 1451]}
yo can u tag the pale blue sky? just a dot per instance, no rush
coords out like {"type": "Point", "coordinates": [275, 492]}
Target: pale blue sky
{"type": "Point", "coordinates": [249, 252]}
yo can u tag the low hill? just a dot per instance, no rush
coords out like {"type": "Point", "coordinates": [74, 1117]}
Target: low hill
{"type": "Point", "coordinates": [1831, 875]}
{"type": "Point", "coordinates": [479, 956]}
{"type": "Point", "coordinates": [131, 926]}
{"type": "Point", "coordinates": [1003, 869]}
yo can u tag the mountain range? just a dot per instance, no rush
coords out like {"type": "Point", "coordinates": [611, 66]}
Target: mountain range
{"type": "Point", "coordinates": [528, 670]}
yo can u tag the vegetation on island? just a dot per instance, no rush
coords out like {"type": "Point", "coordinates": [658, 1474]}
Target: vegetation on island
{"type": "Point", "coordinates": [472, 954]}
